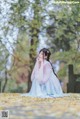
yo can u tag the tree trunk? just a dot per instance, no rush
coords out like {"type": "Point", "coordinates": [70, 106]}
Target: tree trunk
{"type": "Point", "coordinates": [32, 60]}
{"type": "Point", "coordinates": [6, 79]}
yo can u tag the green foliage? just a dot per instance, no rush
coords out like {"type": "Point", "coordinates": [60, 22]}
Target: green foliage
{"type": "Point", "coordinates": [65, 27]}
{"type": "Point", "coordinates": [61, 22]}
{"type": "Point", "coordinates": [67, 57]}
{"type": "Point", "coordinates": [20, 59]}
{"type": "Point", "coordinates": [64, 33]}
{"type": "Point", "coordinates": [17, 18]}
{"type": "Point", "coordinates": [62, 72]}
{"type": "Point", "coordinates": [3, 56]}
{"type": "Point", "coordinates": [28, 36]}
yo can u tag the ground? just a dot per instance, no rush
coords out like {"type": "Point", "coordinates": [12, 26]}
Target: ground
{"type": "Point", "coordinates": [37, 108]}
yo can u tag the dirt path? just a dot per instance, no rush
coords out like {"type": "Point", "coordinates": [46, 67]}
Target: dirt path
{"type": "Point", "coordinates": [37, 108]}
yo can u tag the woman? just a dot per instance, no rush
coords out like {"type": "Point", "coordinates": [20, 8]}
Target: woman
{"type": "Point", "coordinates": [44, 81]}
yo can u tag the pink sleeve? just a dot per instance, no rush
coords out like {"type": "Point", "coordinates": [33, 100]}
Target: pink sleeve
{"type": "Point", "coordinates": [47, 71]}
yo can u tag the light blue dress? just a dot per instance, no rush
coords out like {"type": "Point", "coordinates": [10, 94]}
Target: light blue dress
{"type": "Point", "coordinates": [45, 84]}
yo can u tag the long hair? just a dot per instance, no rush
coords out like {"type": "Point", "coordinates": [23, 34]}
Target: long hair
{"type": "Point", "coordinates": [47, 53]}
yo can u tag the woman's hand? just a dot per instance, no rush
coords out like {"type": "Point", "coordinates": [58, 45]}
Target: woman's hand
{"type": "Point", "coordinates": [39, 60]}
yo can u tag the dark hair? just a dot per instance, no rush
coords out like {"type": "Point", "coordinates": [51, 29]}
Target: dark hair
{"type": "Point", "coordinates": [47, 53]}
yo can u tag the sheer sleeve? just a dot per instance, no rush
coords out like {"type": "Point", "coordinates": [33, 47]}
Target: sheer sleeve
{"type": "Point", "coordinates": [42, 74]}
{"type": "Point", "coordinates": [46, 72]}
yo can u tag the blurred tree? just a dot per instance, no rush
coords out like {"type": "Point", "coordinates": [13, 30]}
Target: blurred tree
{"type": "Point", "coordinates": [4, 55]}
{"type": "Point", "coordinates": [26, 17]}
{"type": "Point", "coordinates": [29, 19]}
{"type": "Point", "coordinates": [64, 35]}
{"type": "Point", "coordinates": [64, 28]}
{"type": "Point", "coordinates": [20, 59]}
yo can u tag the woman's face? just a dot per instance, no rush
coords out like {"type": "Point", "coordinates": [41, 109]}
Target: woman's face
{"type": "Point", "coordinates": [41, 56]}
